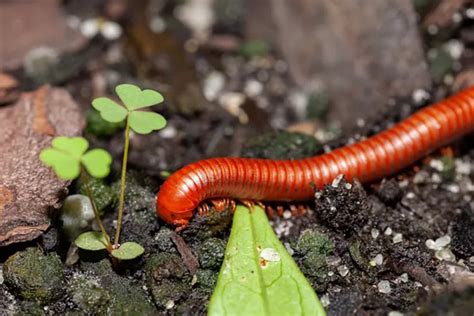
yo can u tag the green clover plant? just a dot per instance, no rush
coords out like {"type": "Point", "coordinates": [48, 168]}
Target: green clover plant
{"type": "Point", "coordinates": [69, 160]}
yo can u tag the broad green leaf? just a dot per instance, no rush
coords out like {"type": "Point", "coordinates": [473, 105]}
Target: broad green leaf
{"type": "Point", "coordinates": [91, 241]}
{"type": "Point", "coordinates": [65, 166]}
{"type": "Point", "coordinates": [258, 276]}
{"type": "Point", "coordinates": [97, 162]}
{"type": "Point", "coordinates": [128, 251]}
{"type": "Point", "coordinates": [110, 110]}
{"type": "Point", "coordinates": [135, 98]}
{"type": "Point", "coordinates": [146, 122]}
{"type": "Point", "coordinates": [74, 146]}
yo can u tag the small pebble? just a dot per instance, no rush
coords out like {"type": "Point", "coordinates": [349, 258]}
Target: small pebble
{"type": "Point", "coordinates": [343, 270]}
{"type": "Point", "coordinates": [404, 278]}
{"type": "Point", "coordinates": [384, 287]}
{"type": "Point", "coordinates": [395, 313]}
{"type": "Point", "coordinates": [325, 300]}
{"type": "Point", "coordinates": [348, 186]}
{"type": "Point", "coordinates": [445, 254]}
{"type": "Point", "coordinates": [330, 273]}
{"type": "Point", "coordinates": [378, 259]}
{"type": "Point", "coordinates": [1, 276]}
{"type": "Point", "coordinates": [337, 180]}
{"type": "Point", "coordinates": [470, 13]}
{"type": "Point", "coordinates": [375, 233]}
{"type": "Point", "coordinates": [420, 95]}
{"type": "Point", "coordinates": [253, 88]}
{"type": "Point", "coordinates": [397, 238]}
{"type": "Point", "coordinates": [287, 214]}
{"type": "Point", "coordinates": [388, 231]}
{"type": "Point", "coordinates": [169, 304]}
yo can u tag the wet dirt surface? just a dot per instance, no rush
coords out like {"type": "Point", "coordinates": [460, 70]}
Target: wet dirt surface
{"type": "Point", "coordinates": [403, 244]}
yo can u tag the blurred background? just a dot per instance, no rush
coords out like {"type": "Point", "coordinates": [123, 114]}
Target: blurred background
{"type": "Point", "coordinates": [233, 69]}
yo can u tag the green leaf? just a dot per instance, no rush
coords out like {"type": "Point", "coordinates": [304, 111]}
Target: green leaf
{"type": "Point", "coordinates": [128, 251]}
{"type": "Point", "coordinates": [91, 241]}
{"type": "Point", "coordinates": [258, 276]}
{"type": "Point", "coordinates": [97, 162]}
{"type": "Point", "coordinates": [74, 146]}
{"type": "Point", "coordinates": [110, 110]}
{"type": "Point", "coordinates": [65, 166]}
{"type": "Point", "coordinates": [135, 98]}
{"type": "Point", "coordinates": [146, 122]}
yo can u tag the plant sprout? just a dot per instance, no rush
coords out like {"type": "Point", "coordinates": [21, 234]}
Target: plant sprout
{"type": "Point", "coordinates": [69, 160]}
{"type": "Point", "coordinates": [141, 122]}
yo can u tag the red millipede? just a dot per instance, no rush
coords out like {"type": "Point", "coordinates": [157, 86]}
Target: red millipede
{"type": "Point", "coordinates": [289, 180]}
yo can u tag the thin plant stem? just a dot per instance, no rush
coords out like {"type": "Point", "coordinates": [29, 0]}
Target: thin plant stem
{"type": "Point", "coordinates": [96, 211]}
{"type": "Point", "coordinates": [122, 186]}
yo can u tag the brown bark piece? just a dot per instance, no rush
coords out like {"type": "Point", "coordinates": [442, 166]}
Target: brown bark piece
{"type": "Point", "coordinates": [29, 24]}
{"type": "Point", "coordinates": [442, 15]}
{"type": "Point", "coordinates": [28, 189]}
{"type": "Point", "coordinates": [360, 52]}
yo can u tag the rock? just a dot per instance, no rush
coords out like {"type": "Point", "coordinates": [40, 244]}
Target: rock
{"type": "Point", "coordinates": [34, 276]}
{"type": "Point", "coordinates": [106, 293]}
{"type": "Point", "coordinates": [168, 279]}
{"type": "Point", "coordinates": [359, 54]}
{"type": "Point", "coordinates": [211, 253]}
{"type": "Point", "coordinates": [29, 191]}
{"type": "Point", "coordinates": [345, 207]}
{"type": "Point", "coordinates": [206, 279]}
{"type": "Point", "coordinates": [41, 24]}
{"type": "Point", "coordinates": [88, 294]}
{"type": "Point", "coordinates": [77, 215]}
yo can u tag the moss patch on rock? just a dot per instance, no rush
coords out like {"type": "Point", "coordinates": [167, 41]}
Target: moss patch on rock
{"type": "Point", "coordinates": [35, 276]}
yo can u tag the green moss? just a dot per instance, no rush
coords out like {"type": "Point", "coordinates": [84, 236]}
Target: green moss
{"type": "Point", "coordinates": [206, 279]}
{"type": "Point", "coordinates": [211, 253]}
{"type": "Point", "coordinates": [34, 276]}
{"type": "Point", "coordinates": [313, 241]}
{"type": "Point", "coordinates": [168, 292]}
{"type": "Point", "coordinates": [103, 194]}
{"type": "Point", "coordinates": [163, 240]}
{"type": "Point", "coordinates": [164, 265]}
{"type": "Point", "coordinates": [315, 265]}
{"type": "Point", "coordinates": [31, 309]}
{"type": "Point", "coordinates": [114, 295]}
{"type": "Point", "coordinates": [96, 125]}
{"type": "Point", "coordinates": [282, 145]}
{"type": "Point", "coordinates": [88, 294]}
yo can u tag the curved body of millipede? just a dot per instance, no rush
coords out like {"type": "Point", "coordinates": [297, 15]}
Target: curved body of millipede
{"type": "Point", "coordinates": [290, 180]}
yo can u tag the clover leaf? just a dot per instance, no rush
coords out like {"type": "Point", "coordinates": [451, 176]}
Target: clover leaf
{"type": "Point", "coordinates": [91, 241]}
{"type": "Point", "coordinates": [141, 122]}
{"type": "Point", "coordinates": [110, 110]}
{"type": "Point", "coordinates": [134, 98]}
{"type": "Point", "coordinates": [66, 155]}
{"type": "Point", "coordinates": [128, 251]}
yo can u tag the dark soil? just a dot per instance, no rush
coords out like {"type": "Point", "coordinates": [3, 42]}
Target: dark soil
{"type": "Point", "coordinates": [374, 253]}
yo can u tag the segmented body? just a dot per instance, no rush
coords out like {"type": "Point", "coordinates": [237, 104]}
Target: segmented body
{"type": "Point", "coordinates": [288, 180]}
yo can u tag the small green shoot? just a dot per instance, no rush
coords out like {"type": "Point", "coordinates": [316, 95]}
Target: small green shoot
{"type": "Point", "coordinates": [69, 159]}
{"type": "Point", "coordinates": [258, 270]}
{"type": "Point", "coordinates": [141, 122]}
